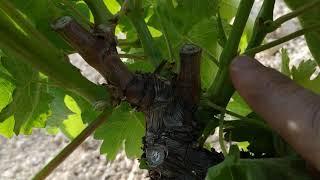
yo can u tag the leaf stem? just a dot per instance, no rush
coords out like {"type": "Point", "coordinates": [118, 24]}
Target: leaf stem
{"type": "Point", "coordinates": [100, 11]}
{"type": "Point", "coordinates": [278, 22]}
{"type": "Point", "coordinates": [133, 56]}
{"type": "Point", "coordinates": [135, 14]}
{"type": "Point", "coordinates": [244, 118]}
{"type": "Point", "coordinates": [221, 90]}
{"type": "Point", "coordinates": [127, 43]}
{"type": "Point", "coordinates": [282, 40]}
{"type": "Point", "coordinates": [83, 18]}
{"type": "Point", "coordinates": [56, 161]}
{"type": "Point", "coordinates": [164, 30]}
{"type": "Point", "coordinates": [221, 109]}
{"type": "Point", "coordinates": [260, 28]}
{"type": "Point", "coordinates": [221, 139]}
{"type": "Point", "coordinates": [222, 37]}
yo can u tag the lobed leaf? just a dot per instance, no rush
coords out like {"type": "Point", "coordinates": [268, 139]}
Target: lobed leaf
{"type": "Point", "coordinates": [30, 100]}
{"type": "Point", "coordinates": [304, 74]}
{"type": "Point", "coordinates": [123, 126]}
{"type": "Point", "coordinates": [188, 22]}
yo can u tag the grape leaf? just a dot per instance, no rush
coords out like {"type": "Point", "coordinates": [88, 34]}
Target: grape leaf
{"type": "Point", "coordinates": [308, 18]}
{"type": "Point", "coordinates": [228, 8]}
{"type": "Point", "coordinates": [305, 74]}
{"type": "Point", "coordinates": [6, 88]}
{"type": "Point", "coordinates": [86, 110]}
{"type": "Point", "coordinates": [234, 168]}
{"type": "Point", "coordinates": [30, 100]}
{"type": "Point", "coordinates": [6, 127]}
{"type": "Point", "coordinates": [58, 109]}
{"type": "Point", "coordinates": [43, 13]}
{"type": "Point", "coordinates": [124, 125]}
{"type": "Point", "coordinates": [238, 105]}
{"type": "Point", "coordinates": [302, 75]}
{"type": "Point", "coordinates": [68, 113]}
{"type": "Point", "coordinates": [73, 125]}
{"type": "Point", "coordinates": [188, 22]}
{"type": "Point", "coordinates": [140, 66]}
{"type": "Point", "coordinates": [113, 6]}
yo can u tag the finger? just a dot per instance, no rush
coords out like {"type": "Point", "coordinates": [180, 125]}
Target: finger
{"type": "Point", "coordinates": [291, 110]}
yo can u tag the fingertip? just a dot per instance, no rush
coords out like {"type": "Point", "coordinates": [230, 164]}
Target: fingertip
{"type": "Point", "coordinates": [242, 63]}
{"type": "Point", "coordinates": [243, 70]}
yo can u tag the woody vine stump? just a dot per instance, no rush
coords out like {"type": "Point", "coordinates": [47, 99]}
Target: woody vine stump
{"type": "Point", "coordinates": [171, 148]}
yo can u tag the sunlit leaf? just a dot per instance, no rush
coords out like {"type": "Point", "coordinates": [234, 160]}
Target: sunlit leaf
{"type": "Point", "coordinates": [303, 75]}
{"type": "Point", "coordinates": [30, 99]}
{"type": "Point", "coordinates": [123, 126]}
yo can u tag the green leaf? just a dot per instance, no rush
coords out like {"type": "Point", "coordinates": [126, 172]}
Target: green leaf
{"type": "Point", "coordinates": [142, 66]}
{"type": "Point", "coordinates": [208, 71]}
{"type": "Point", "coordinates": [238, 105]}
{"type": "Point", "coordinates": [302, 75]}
{"type": "Point", "coordinates": [6, 89]}
{"type": "Point", "coordinates": [254, 131]}
{"type": "Point", "coordinates": [6, 127]}
{"type": "Point", "coordinates": [228, 8]}
{"type": "Point", "coordinates": [59, 110]}
{"type": "Point", "coordinates": [113, 6]}
{"type": "Point", "coordinates": [68, 113]}
{"type": "Point", "coordinates": [310, 17]}
{"type": "Point", "coordinates": [305, 74]}
{"type": "Point", "coordinates": [123, 126]}
{"type": "Point", "coordinates": [285, 69]}
{"type": "Point", "coordinates": [30, 100]}
{"type": "Point", "coordinates": [73, 125]}
{"type": "Point", "coordinates": [234, 168]}
{"type": "Point", "coordinates": [84, 108]}
{"type": "Point", "coordinates": [43, 13]}
{"type": "Point", "coordinates": [188, 21]}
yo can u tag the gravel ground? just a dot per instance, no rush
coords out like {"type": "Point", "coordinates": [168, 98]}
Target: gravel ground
{"type": "Point", "coordinates": [21, 157]}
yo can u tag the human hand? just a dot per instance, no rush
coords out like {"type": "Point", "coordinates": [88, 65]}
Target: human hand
{"type": "Point", "coordinates": [291, 110]}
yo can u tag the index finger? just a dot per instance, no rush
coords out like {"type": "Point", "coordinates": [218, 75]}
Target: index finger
{"type": "Point", "coordinates": [289, 109]}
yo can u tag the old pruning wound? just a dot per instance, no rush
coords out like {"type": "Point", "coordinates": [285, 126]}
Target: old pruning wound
{"type": "Point", "coordinates": [170, 145]}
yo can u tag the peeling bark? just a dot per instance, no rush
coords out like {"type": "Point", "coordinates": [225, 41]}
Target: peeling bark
{"type": "Point", "coordinates": [170, 145]}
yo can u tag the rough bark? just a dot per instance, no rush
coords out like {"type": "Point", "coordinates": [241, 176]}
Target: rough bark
{"type": "Point", "coordinates": [170, 145]}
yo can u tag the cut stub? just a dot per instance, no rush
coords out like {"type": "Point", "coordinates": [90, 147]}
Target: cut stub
{"type": "Point", "coordinates": [171, 149]}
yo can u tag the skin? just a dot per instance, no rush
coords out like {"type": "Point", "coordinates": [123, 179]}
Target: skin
{"type": "Point", "coordinates": [291, 110]}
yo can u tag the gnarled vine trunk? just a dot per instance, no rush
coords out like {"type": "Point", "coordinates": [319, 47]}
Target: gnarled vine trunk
{"type": "Point", "coordinates": [170, 145]}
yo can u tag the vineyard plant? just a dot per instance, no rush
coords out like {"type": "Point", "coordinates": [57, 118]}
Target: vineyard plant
{"type": "Point", "coordinates": [167, 87]}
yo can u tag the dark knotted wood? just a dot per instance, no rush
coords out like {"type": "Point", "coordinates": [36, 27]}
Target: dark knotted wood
{"type": "Point", "coordinates": [170, 145]}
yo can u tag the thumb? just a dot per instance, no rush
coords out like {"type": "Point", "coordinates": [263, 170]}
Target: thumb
{"type": "Point", "coordinates": [289, 109]}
